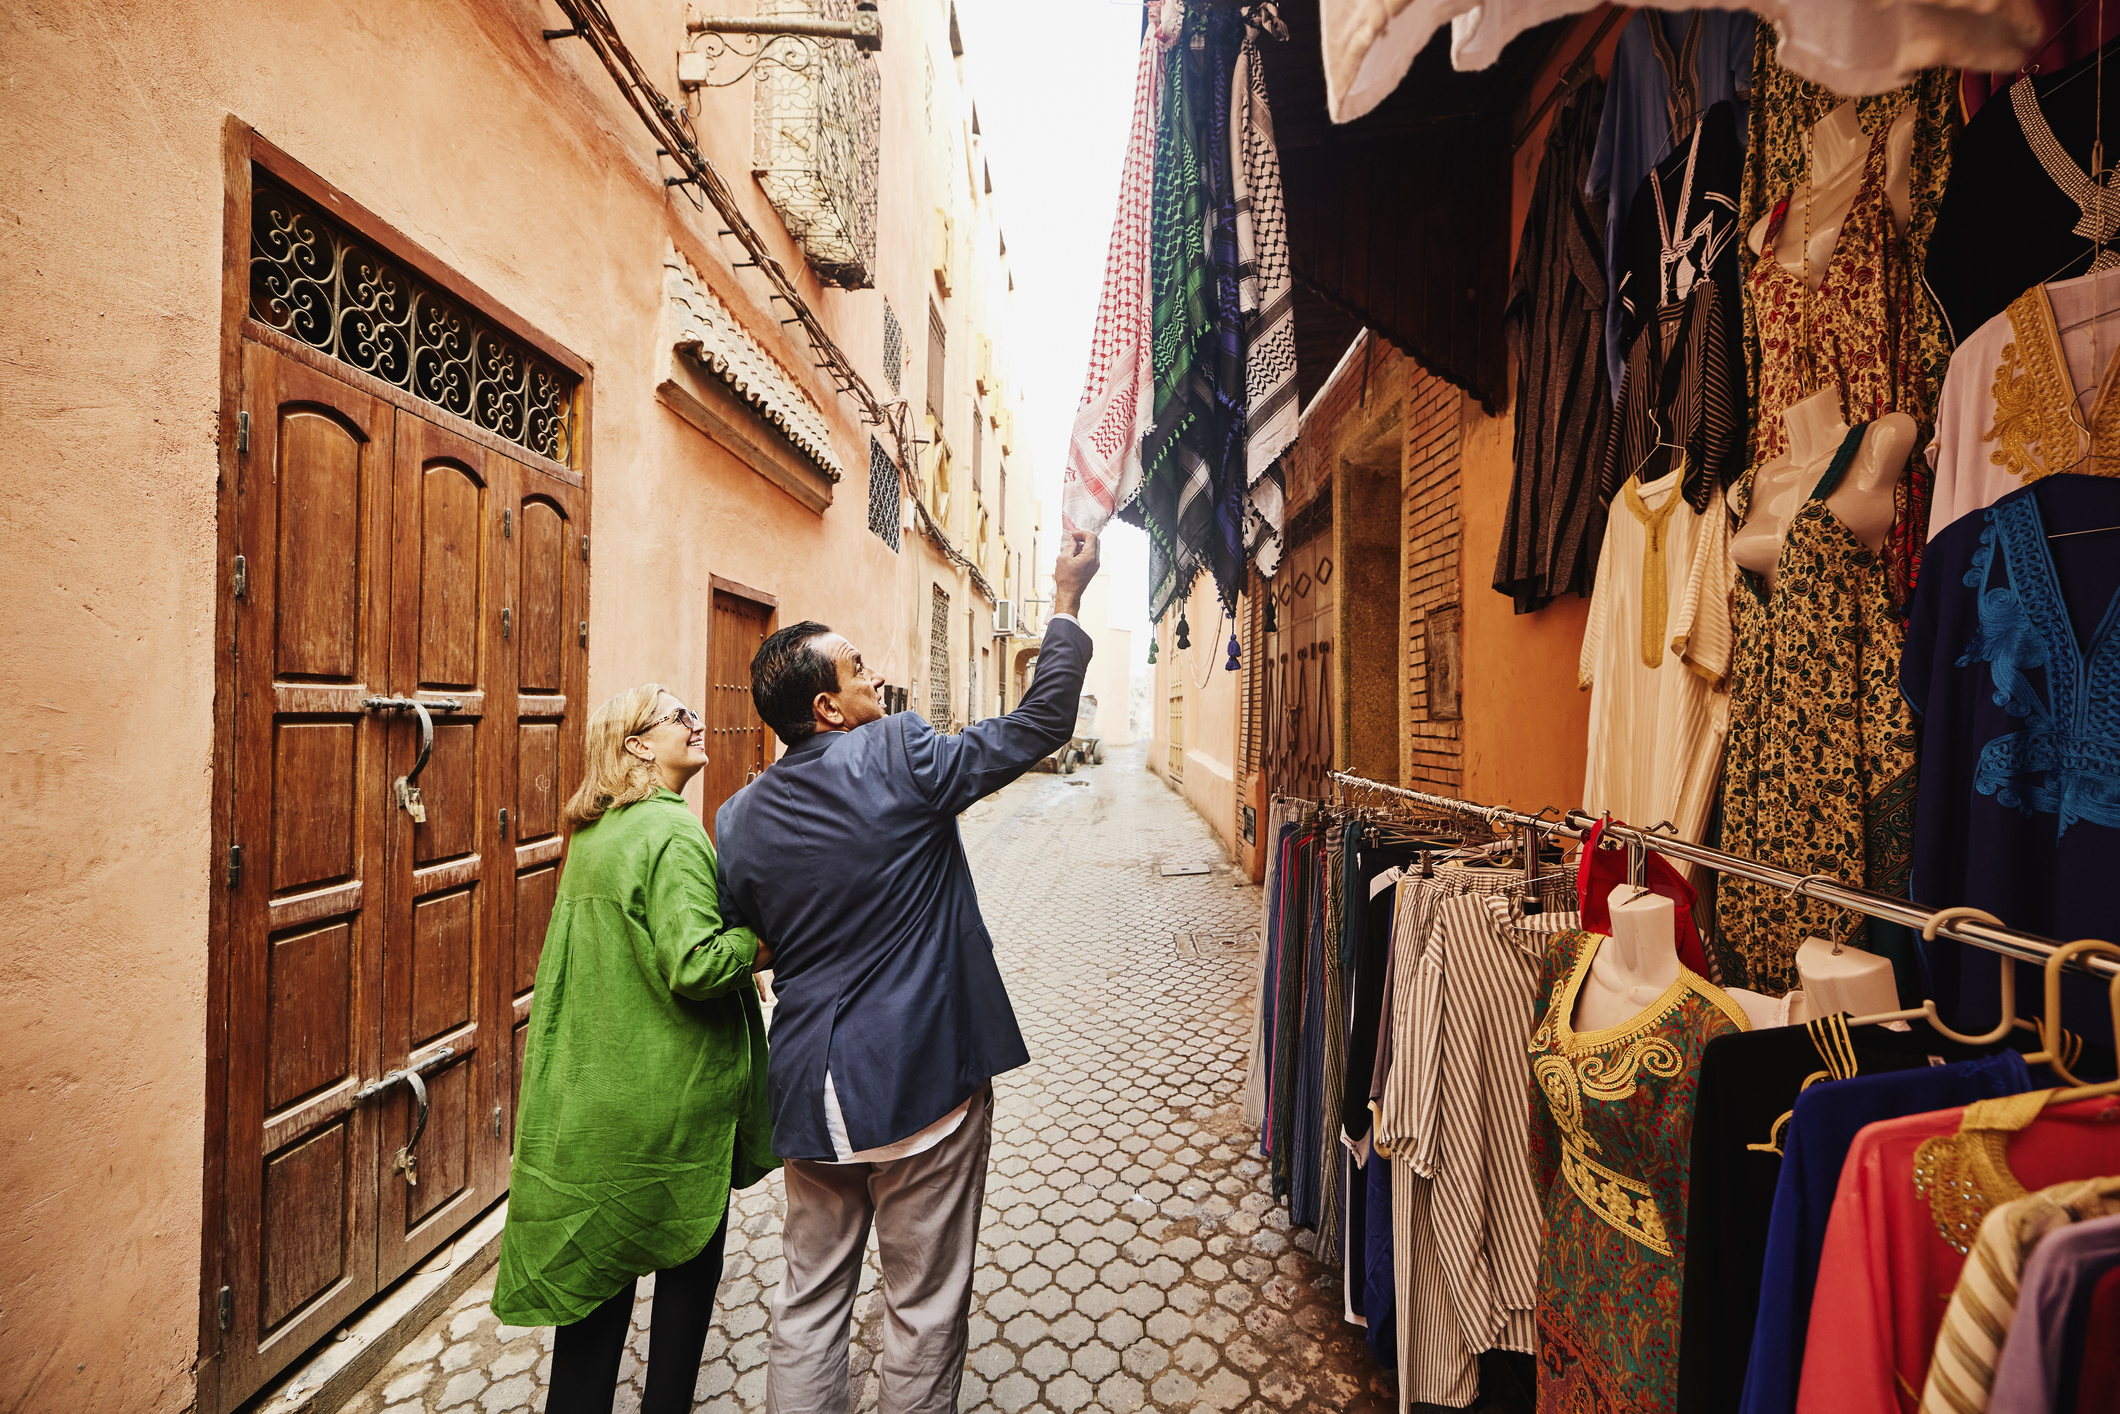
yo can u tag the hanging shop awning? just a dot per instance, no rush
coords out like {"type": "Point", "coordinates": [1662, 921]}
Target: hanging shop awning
{"type": "Point", "coordinates": [1400, 220]}
{"type": "Point", "coordinates": [1853, 47]}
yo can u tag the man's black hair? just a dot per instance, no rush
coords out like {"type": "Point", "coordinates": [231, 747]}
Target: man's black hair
{"type": "Point", "coordinates": [787, 673]}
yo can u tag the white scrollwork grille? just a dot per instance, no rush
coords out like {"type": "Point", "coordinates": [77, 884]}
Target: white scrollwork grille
{"type": "Point", "coordinates": [817, 148]}
{"type": "Point", "coordinates": [312, 281]}
{"type": "Point", "coordinates": [884, 510]}
{"type": "Point", "coordinates": [893, 348]}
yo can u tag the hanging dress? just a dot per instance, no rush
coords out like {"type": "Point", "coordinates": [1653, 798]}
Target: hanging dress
{"type": "Point", "coordinates": [1611, 1131]}
{"type": "Point", "coordinates": [1854, 333]}
{"type": "Point", "coordinates": [1819, 773]}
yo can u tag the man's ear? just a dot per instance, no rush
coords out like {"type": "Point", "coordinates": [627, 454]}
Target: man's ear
{"type": "Point", "coordinates": [823, 706]}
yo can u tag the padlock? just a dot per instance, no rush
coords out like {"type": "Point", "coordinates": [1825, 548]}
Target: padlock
{"type": "Point", "coordinates": [410, 1163]}
{"type": "Point", "coordinates": [408, 796]}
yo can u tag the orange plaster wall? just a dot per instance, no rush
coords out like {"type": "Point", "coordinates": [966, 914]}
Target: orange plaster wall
{"type": "Point", "coordinates": [1527, 724]}
{"type": "Point", "coordinates": [515, 163]}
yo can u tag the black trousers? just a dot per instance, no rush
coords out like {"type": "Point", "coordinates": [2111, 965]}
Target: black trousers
{"type": "Point", "coordinates": [586, 1354]}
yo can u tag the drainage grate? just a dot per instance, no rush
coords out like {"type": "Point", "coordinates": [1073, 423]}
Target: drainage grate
{"type": "Point", "coordinates": [1175, 871]}
{"type": "Point", "coordinates": [1196, 945]}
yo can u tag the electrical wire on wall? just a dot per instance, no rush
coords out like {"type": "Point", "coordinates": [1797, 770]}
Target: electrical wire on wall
{"type": "Point", "coordinates": [671, 126]}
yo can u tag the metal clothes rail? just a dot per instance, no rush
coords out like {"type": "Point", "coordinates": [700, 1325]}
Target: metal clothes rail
{"type": "Point", "coordinates": [1576, 825]}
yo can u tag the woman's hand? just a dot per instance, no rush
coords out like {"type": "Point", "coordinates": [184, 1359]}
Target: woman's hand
{"type": "Point", "coordinates": [764, 961]}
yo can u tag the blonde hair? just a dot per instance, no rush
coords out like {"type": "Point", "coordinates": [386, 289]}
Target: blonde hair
{"type": "Point", "coordinates": [613, 777]}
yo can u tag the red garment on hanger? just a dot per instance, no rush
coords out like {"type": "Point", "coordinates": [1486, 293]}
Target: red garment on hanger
{"type": "Point", "coordinates": [1599, 871]}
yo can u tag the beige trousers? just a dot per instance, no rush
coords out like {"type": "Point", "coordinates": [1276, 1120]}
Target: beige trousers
{"type": "Point", "coordinates": [925, 1210]}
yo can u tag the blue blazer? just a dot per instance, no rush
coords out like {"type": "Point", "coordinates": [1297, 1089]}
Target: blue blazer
{"type": "Point", "coordinates": [844, 855]}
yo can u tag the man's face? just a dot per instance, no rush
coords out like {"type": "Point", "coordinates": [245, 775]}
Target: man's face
{"type": "Point", "coordinates": [856, 702]}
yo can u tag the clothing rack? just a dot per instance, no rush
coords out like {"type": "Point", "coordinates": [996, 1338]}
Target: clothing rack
{"type": "Point", "coordinates": [1576, 825]}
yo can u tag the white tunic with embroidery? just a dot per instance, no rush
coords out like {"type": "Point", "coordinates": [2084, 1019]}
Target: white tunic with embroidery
{"type": "Point", "coordinates": [1655, 657]}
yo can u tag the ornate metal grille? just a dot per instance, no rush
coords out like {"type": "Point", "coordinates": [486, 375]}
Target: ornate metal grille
{"type": "Point", "coordinates": [313, 281]}
{"type": "Point", "coordinates": [893, 348]}
{"type": "Point", "coordinates": [884, 510]}
{"type": "Point", "coordinates": [939, 660]}
{"type": "Point", "coordinates": [816, 149]}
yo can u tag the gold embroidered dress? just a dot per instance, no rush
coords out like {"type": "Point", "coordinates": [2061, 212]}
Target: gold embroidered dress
{"type": "Point", "coordinates": [1611, 1130]}
{"type": "Point", "coordinates": [2010, 414]}
{"type": "Point", "coordinates": [1819, 776]}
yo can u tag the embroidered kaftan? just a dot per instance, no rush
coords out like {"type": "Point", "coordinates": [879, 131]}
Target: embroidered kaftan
{"type": "Point", "coordinates": [2010, 413]}
{"type": "Point", "coordinates": [2013, 663]}
{"type": "Point", "coordinates": [1654, 657]}
{"type": "Point", "coordinates": [1611, 1130]}
{"type": "Point", "coordinates": [1819, 777]}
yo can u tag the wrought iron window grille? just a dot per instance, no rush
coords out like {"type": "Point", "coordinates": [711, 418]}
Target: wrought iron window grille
{"type": "Point", "coordinates": [315, 282]}
{"type": "Point", "coordinates": [884, 509]}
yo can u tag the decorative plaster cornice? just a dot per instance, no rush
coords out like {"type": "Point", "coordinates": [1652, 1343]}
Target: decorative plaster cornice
{"type": "Point", "coordinates": [706, 330]}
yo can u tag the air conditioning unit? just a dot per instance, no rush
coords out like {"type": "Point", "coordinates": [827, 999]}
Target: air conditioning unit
{"type": "Point", "coordinates": [1005, 616]}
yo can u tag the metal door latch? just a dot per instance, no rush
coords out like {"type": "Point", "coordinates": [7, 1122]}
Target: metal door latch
{"type": "Point", "coordinates": [406, 1161]}
{"type": "Point", "coordinates": [407, 786]}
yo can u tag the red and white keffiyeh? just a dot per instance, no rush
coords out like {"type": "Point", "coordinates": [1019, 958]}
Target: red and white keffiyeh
{"type": "Point", "coordinates": [1118, 396]}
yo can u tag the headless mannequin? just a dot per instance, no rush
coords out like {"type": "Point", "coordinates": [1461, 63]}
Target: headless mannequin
{"type": "Point", "coordinates": [1638, 964]}
{"type": "Point", "coordinates": [1863, 501]}
{"type": "Point", "coordinates": [1848, 981]}
{"type": "Point", "coordinates": [1838, 146]}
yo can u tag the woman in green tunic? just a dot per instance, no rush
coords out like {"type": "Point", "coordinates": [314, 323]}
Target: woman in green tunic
{"type": "Point", "coordinates": [644, 1081]}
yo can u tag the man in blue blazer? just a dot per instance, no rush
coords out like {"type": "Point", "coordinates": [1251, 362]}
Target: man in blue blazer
{"type": "Point", "coordinates": [892, 1018]}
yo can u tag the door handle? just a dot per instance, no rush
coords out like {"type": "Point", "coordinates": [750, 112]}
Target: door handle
{"type": "Point", "coordinates": [405, 1158]}
{"type": "Point", "coordinates": [407, 785]}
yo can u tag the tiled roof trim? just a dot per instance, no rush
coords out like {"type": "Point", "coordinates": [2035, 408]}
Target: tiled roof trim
{"type": "Point", "coordinates": [707, 331]}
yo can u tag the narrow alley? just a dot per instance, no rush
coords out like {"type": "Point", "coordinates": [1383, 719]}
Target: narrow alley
{"type": "Point", "coordinates": [1130, 1257]}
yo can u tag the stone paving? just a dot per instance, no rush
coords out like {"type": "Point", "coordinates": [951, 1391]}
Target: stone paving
{"type": "Point", "coordinates": [1129, 1257]}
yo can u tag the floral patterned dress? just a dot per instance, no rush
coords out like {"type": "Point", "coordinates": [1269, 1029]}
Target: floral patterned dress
{"type": "Point", "coordinates": [1612, 1132]}
{"type": "Point", "coordinates": [1852, 333]}
{"type": "Point", "coordinates": [1818, 777]}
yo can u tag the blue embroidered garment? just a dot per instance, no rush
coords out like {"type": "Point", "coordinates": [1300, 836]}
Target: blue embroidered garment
{"type": "Point", "coordinates": [2013, 665]}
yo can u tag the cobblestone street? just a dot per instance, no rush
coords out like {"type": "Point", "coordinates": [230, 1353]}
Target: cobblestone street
{"type": "Point", "coordinates": [1129, 1256]}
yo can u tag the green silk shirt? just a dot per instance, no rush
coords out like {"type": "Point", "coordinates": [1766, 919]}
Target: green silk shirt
{"type": "Point", "coordinates": [644, 1080]}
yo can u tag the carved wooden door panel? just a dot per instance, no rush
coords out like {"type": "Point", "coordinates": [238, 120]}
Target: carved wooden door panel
{"type": "Point", "coordinates": [736, 738]}
{"type": "Point", "coordinates": [309, 872]}
{"type": "Point", "coordinates": [451, 864]}
{"type": "Point", "coordinates": [546, 564]}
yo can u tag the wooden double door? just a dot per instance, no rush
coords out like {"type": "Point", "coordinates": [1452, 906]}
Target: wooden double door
{"type": "Point", "coordinates": [382, 927]}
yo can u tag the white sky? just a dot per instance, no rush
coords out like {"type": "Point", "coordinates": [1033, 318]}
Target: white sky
{"type": "Point", "coordinates": [1055, 87]}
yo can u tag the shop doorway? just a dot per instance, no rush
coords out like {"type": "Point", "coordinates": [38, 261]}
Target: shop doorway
{"type": "Point", "coordinates": [1298, 702]}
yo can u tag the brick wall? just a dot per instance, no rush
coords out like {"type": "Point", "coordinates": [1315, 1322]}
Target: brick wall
{"type": "Point", "coordinates": [1430, 749]}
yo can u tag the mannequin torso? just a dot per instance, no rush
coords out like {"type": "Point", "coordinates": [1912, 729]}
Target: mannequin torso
{"type": "Point", "coordinates": [1638, 964]}
{"type": "Point", "coordinates": [1863, 501]}
{"type": "Point", "coordinates": [1838, 147]}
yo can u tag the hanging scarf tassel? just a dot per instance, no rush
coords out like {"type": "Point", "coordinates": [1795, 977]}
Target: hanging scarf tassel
{"type": "Point", "coordinates": [1234, 652]}
{"type": "Point", "coordinates": [1184, 632]}
{"type": "Point", "coordinates": [1152, 650]}
{"type": "Point", "coordinates": [1271, 626]}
